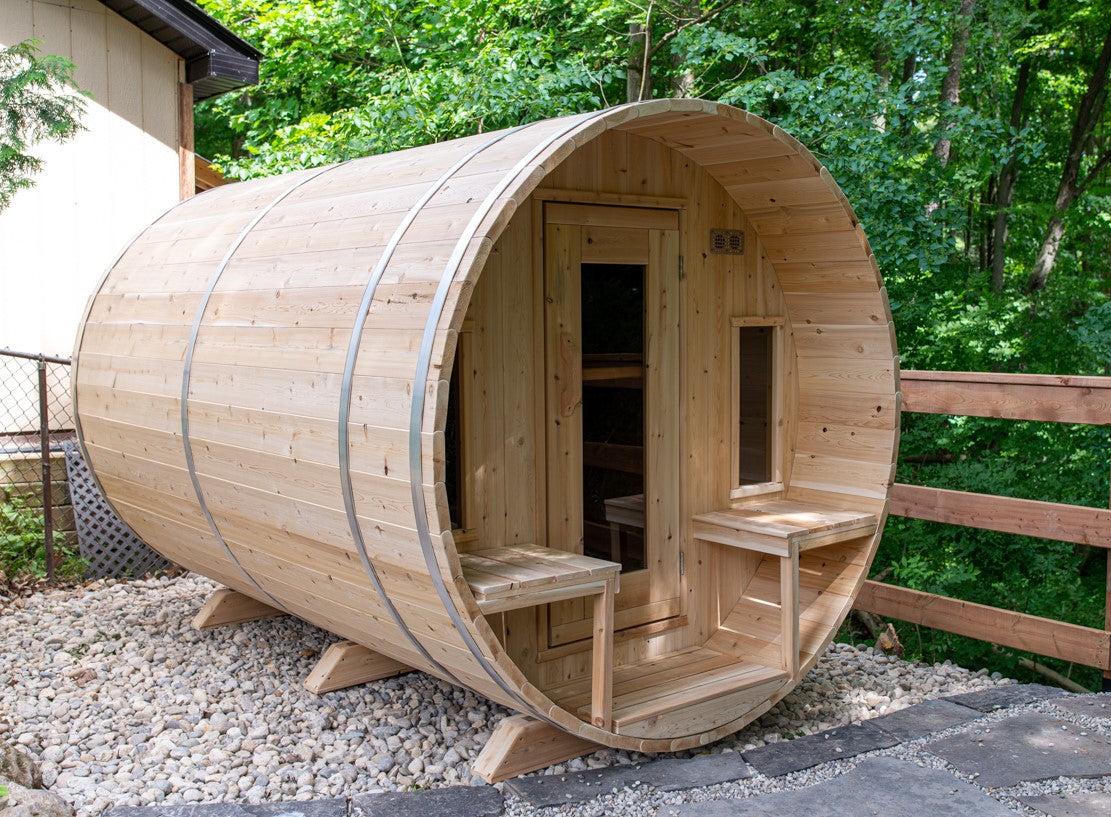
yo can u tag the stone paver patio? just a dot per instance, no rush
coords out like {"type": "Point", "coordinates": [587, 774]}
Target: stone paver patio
{"type": "Point", "coordinates": [993, 742]}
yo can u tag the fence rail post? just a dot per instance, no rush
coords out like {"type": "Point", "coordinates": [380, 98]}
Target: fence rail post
{"type": "Point", "coordinates": [47, 487]}
{"type": "Point", "coordinates": [1106, 686]}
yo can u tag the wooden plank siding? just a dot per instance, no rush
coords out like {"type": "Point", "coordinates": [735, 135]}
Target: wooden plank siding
{"type": "Point", "coordinates": [1042, 398]}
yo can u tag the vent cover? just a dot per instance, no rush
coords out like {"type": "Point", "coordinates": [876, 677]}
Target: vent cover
{"type": "Point", "coordinates": [727, 242]}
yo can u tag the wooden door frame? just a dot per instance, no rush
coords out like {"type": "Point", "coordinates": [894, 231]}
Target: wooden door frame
{"type": "Point", "coordinates": [615, 233]}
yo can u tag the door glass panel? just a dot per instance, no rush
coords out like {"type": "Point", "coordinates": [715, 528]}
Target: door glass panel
{"type": "Point", "coordinates": [613, 413]}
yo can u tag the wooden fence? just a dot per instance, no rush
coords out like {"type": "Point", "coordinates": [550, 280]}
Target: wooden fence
{"type": "Point", "coordinates": [1046, 398]}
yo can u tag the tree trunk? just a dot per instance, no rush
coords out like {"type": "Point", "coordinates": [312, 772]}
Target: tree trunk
{"type": "Point", "coordinates": [881, 64]}
{"type": "Point", "coordinates": [951, 85]}
{"type": "Point", "coordinates": [982, 226]}
{"type": "Point", "coordinates": [910, 68]}
{"type": "Point", "coordinates": [638, 75]}
{"type": "Point", "coordinates": [1088, 113]}
{"type": "Point", "coordinates": [1008, 175]}
{"type": "Point", "coordinates": [682, 85]}
{"type": "Point", "coordinates": [1004, 191]}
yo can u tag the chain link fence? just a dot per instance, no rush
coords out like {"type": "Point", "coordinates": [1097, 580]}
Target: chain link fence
{"type": "Point", "coordinates": [36, 420]}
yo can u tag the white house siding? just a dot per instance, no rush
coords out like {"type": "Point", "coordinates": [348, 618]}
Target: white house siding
{"type": "Point", "coordinates": [97, 190]}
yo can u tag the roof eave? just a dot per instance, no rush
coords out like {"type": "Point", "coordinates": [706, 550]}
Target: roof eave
{"type": "Point", "coordinates": [216, 60]}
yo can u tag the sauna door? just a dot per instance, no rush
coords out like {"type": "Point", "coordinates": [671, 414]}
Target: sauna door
{"type": "Point", "coordinates": [611, 329]}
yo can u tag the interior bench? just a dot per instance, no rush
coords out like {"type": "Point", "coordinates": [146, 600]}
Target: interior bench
{"type": "Point", "coordinates": [783, 528]}
{"type": "Point", "coordinates": [623, 512]}
{"type": "Point", "coordinates": [516, 576]}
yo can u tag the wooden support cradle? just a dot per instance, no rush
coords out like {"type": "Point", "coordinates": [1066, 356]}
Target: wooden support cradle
{"type": "Point", "coordinates": [227, 606]}
{"type": "Point", "coordinates": [522, 744]}
{"type": "Point", "coordinates": [347, 664]}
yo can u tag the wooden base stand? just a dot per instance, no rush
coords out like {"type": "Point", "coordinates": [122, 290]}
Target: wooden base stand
{"type": "Point", "coordinates": [347, 664]}
{"type": "Point", "coordinates": [522, 744]}
{"type": "Point", "coordinates": [227, 606]}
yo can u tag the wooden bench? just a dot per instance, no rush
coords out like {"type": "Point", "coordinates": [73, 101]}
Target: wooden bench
{"type": "Point", "coordinates": [785, 529]}
{"type": "Point", "coordinates": [516, 576]}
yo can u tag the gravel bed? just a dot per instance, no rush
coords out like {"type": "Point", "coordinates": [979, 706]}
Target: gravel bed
{"type": "Point", "coordinates": [125, 704]}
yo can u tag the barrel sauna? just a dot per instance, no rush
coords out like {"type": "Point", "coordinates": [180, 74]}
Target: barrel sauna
{"type": "Point", "coordinates": [438, 401]}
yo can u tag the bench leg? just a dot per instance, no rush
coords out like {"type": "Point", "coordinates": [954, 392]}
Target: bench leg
{"type": "Point", "coordinates": [601, 678]}
{"type": "Point", "coordinates": [789, 607]}
{"type": "Point", "coordinates": [615, 542]}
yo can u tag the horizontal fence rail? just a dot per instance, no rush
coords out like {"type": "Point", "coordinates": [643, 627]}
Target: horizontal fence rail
{"type": "Point", "coordinates": [1047, 398]}
{"type": "Point", "coordinates": [1042, 398]}
{"type": "Point", "coordinates": [1031, 517]}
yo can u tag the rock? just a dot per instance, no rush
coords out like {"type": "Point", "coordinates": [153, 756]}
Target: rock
{"type": "Point", "coordinates": [25, 802]}
{"type": "Point", "coordinates": [255, 735]}
{"type": "Point", "coordinates": [18, 767]}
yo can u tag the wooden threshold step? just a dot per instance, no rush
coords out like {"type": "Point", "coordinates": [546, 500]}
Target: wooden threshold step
{"type": "Point", "coordinates": [684, 679]}
{"type": "Point", "coordinates": [685, 692]}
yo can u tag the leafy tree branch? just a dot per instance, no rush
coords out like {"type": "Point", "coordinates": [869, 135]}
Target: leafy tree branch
{"type": "Point", "coordinates": [37, 104]}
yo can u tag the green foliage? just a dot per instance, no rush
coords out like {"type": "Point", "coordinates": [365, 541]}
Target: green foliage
{"type": "Point", "coordinates": [22, 543]}
{"type": "Point", "coordinates": [35, 106]}
{"type": "Point", "coordinates": [861, 87]}
{"type": "Point", "coordinates": [349, 78]}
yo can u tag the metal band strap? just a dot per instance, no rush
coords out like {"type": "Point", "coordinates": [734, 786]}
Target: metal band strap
{"type": "Point", "coordinates": [187, 370]}
{"type": "Point", "coordinates": [416, 418]}
{"type": "Point", "coordinates": [353, 343]}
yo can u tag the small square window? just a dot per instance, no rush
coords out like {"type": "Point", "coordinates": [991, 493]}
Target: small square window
{"type": "Point", "coordinates": [756, 402]}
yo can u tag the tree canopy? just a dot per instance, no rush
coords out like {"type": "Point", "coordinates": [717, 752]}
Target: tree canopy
{"type": "Point", "coordinates": [36, 105]}
{"type": "Point", "coordinates": [971, 136]}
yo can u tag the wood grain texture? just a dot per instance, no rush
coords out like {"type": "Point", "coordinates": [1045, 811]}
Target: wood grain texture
{"type": "Point", "coordinates": [347, 664]}
{"type": "Point", "coordinates": [521, 744]}
{"type": "Point", "coordinates": [1029, 517]}
{"type": "Point", "coordinates": [638, 185]}
{"type": "Point", "coordinates": [1049, 398]}
{"type": "Point", "coordinates": [1068, 642]}
{"type": "Point", "coordinates": [227, 606]}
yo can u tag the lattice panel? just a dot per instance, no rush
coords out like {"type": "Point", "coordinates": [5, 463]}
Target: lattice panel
{"type": "Point", "coordinates": [108, 546]}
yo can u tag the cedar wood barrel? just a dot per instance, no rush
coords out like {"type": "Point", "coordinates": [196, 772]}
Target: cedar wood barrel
{"type": "Point", "coordinates": [323, 389]}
